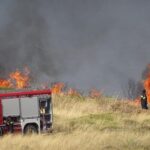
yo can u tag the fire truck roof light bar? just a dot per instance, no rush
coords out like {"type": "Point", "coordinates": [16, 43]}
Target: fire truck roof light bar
{"type": "Point", "coordinates": [25, 93]}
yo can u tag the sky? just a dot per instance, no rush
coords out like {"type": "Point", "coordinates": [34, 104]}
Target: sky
{"type": "Point", "coordinates": [85, 43]}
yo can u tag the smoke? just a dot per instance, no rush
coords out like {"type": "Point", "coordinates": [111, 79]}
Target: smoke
{"type": "Point", "coordinates": [98, 43]}
{"type": "Point", "coordinates": [23, 39]}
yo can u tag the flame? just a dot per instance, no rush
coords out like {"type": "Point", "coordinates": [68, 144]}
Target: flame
{"type": "Point", "coordinates": [137, 101]}
{"type": "Point", "coordinates": [147, 87]}
{"type": "Point", "coordinates": [73, 92]}
{"type": "Point", "coordinates": [58, 88]}
{"type": "Point", "coordinates": [16, 79]}
{"type": "Point", "coordinates": [94, 93]}
{"type": "Point", "coordinates": [146, 83]}
{"type": "Point", "coordinates": [5, 83]}
{"type": "Point", "coordinates": [21, 80]}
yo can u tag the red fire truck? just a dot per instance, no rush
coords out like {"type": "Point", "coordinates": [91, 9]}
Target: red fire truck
{"type": "Point", "coordinates": [28, 112]}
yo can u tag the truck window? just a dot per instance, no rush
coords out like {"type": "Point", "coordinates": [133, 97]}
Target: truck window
{"type": "Point", "coordinates": [44, 105]}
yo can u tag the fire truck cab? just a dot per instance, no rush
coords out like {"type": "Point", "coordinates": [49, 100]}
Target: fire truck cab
{"type": "Point", "coordinates": [28, 112]}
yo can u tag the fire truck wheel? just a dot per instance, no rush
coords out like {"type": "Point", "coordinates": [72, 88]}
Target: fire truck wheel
{"type": "Point", "coordinates": [30, 129]}
{"type": "Point", "coordinates": [1, 132]}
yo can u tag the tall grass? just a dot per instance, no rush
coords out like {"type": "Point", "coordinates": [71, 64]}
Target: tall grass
{"type": "Point", "coordinates": [85, 123]}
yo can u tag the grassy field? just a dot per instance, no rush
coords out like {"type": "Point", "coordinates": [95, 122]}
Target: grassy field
{"type": "Point", "coordinates": [82, 123]}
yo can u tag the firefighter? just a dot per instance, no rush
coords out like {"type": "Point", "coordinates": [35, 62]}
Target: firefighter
{"type": "Point", "coordinates": [42, 110]}
{"type": "Point", "coordinates": [42, 118]}
{"type": "Point", "coordinates": [144, 100]}
{"type": "Point", "coordinates": [10, 124]}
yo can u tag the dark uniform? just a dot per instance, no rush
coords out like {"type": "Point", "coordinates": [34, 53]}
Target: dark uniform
{"type": "Point", "coordinates": [144, 100]}
{"type": "Point", "coordinates": [10, 124]}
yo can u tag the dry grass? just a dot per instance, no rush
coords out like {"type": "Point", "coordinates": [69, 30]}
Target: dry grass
{"type": "Point", "coordinates": [84, 123]}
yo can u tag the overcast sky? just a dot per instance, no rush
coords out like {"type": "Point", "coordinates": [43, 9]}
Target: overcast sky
{"type": "Point", "coordinates": [86, 43]}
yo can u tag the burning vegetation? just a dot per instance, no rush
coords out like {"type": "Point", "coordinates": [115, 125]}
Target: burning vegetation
{"type": "Point", "coordinates": [21, 79]}
{"type": "Point", "coordinates": [16, 79]}
{"type": "Point", "coordinates": [146, 82]}
{"type": "Point", "coordinates": [61, 89]}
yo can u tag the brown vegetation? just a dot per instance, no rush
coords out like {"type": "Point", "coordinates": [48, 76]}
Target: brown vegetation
{"type": "Point", "coordinates": [89, 123]}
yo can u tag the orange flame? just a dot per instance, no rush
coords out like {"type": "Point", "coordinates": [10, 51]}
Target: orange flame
{"type": "Point", "coordinates": [147, 84]}
{"type": "Point", "coordinates": [58, 88]}
{"type": "Point", "coordinates": [147, 87]}
{"type": "Point", "coordinates": [5, 83]}
{"type": "Point", "coordinates": [16, 79]}
{"type": "Point", "coordinates": [73, 92]}
{"type": "Point", "coordinates": [94, 93]}
{"type": "Point", "coordinates": [21, 80]}
{"type": "Point", "coordinates": [137, 101]}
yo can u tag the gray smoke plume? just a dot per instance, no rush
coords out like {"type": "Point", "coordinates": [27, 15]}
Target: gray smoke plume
{"type": "Point", "coordinates": [86, 43]}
